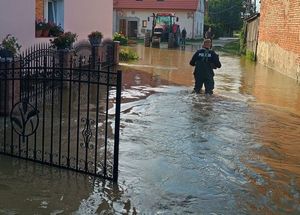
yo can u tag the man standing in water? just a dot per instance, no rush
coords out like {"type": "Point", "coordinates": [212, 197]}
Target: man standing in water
{"type": "Point", "coordinates": [209, 35]}
{"type": "Point", "coordinates": [205, 61]}
{"type": "Point", "coordinates": [183, 36]}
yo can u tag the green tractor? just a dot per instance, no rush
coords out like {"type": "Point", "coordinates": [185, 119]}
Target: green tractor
{"type": "Point", "coordinates": [164, 29]}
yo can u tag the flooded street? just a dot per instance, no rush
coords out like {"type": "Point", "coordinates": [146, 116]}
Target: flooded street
{"type": "Point", "coordinates": [236, 152]}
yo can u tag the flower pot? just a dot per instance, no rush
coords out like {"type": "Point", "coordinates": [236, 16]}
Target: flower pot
{"type": "Point", "coordinates": [38, 33]}
{"type": "Point", "coordinates": [45, 33]}
{"type": "Point", "coordinates": [95, 41]}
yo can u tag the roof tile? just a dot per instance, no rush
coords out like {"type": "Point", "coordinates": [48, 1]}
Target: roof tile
{"type": "Point", "coordinates": [154, 4]}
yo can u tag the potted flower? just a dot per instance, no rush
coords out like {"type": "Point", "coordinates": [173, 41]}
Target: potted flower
{"type": "Point", "coordinates": [46, 30]}
{"type": "Point", "coordinates": [55, 30]}
{"type": "Point", "coordinates": [9, 47]}
{"type": "Point", "coordinates": [64, 41]}
{"type": "Point", "coordinates": [40, 26]}
{"type": "Point", "coordinates": [95, 38]}
{"type": "Point", "coordinates": [121, 38]}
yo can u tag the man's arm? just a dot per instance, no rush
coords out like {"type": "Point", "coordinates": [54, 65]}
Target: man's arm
{"type": "Point", "coordinates": [216, 60]}
{"type": "Point", "coordinates": [193, 60]}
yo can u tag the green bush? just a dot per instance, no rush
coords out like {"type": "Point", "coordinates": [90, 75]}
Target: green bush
{"type": "Point", "coordinates": [127, 54]}
{"type": "Point", "coordinates": [243, 40]}
{"type": "Point", "coordinates": [231, 48]}
{"type": "Point", "coordinates": [250, 55]}
{"type": "Point", "coordinates": [120, 37]}
{"type": "Point", "coordinates": [10, 44]}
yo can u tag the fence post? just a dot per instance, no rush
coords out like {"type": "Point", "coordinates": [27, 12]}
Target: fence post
{"type": "Point", "coordinates": [96, 55]}
{"type": "Point", "coordinates": [65, 56]}
{"type": "Point", "coordinates": [117, 126]}
{"type": "Point", "coordinates": [116, 52]}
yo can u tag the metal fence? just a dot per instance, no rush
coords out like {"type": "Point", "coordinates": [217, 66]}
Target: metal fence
{"type": "Point", "coordinates": [62, 110]}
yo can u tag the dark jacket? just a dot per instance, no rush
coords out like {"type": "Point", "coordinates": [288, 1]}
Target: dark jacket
{"type": "Point", "coordinates": [209, 35]}
{"type": "Point", "coordinates": [183, 33]}
{"type": "Point", "coordinates": [205, 61]}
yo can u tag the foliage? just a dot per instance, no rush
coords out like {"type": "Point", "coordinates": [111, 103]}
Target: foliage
{"type": "Point", "coordinates": [95, 35]}
{"type": "Point", "coordinates": [231, 48]}
{"type": "Point", "coordinates": [55, 30]}
{"type": "Point", "coordinates": [64, 41]}
{"type": "Point", "coordinates": [250, 55]}
{"type": "Point", "coordinates": [40, 24]}
{"type": "Point", "coordinates": [127, 54]}
{"type": "Point", "coordinates": [120, 37]}
{"type": "Point", "coordinates": [243, 40]}
{"type": "Point", "coordinates": [224, 16]}
{"type": "Point", "coordinates": [10, 43]}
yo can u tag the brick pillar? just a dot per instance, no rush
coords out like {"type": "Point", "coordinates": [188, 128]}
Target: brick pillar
{"type": "Point", "coordinates": [100, 53]}
{"type": "Point", "coordinates": [65, 56]}
{"type": "Point", "coordinates": [97, 52]}
{"type": "Point", "coordinates": [116, 52]}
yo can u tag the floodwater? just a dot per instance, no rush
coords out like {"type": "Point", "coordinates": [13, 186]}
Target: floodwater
{"type": "Point", "coordinates": [236, 152]}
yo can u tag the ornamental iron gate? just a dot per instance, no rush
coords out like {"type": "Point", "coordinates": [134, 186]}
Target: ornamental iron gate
{"type": "Point", "coordinates": [61, 110]}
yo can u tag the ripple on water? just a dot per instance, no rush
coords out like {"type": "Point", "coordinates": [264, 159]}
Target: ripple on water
{"type": "Point", "coordinates": [217, 144]}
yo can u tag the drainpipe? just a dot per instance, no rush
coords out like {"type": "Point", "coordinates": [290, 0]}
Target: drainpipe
{"type": "Point", "coordinates": [193, 29]}
{"type": "Point", "coordinates": [255, 55]}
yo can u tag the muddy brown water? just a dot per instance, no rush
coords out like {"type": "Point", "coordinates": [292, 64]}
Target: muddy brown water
{"type": "Point", "coordinates": [236, 152]}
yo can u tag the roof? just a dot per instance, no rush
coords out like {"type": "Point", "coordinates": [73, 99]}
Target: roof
{"type": "Point", "coordinates": [155, 4]}
{"type": "Point", "coordinates": [252, 17]}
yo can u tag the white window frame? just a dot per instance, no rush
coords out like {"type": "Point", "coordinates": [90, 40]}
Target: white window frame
{"type": "Point", "coordinates": [57, 18]}
{"type": "Point", "coordinates": [46, 9]}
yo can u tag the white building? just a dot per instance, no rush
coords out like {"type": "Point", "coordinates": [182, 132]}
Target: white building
{"type": "Point", "coordinates": [131, 16]}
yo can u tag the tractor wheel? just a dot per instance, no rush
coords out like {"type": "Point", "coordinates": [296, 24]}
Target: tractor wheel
{"type": "Point", "coordinates": [155, 42]}
{"type": "Point", "coordinates": [147, 39]}
{"type": "Point", "coordinates": [171, 41]}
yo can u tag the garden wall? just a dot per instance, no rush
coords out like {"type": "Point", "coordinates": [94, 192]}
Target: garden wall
{"type": "Point", "coordinates": [279, 36]}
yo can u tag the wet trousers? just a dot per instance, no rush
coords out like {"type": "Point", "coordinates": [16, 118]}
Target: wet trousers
{"type": "Point", "coordinates": [183, 41]}
{"type": "Point", "coordinates": [207, 80]}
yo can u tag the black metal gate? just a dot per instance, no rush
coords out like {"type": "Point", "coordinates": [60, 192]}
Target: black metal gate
{"type": "Point", "coordinates": [61, 110]}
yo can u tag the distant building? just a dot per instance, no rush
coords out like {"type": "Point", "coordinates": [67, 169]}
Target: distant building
{"type": "Point", "coordinates": [131, 16]}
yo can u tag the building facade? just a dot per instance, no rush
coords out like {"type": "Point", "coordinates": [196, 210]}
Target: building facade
{"type": "Point", "coordinates": [131, 16]}
{"type": "Point", "coordinates": [279, 36]}
{"type": "Point", "coordinates": [77, 16]}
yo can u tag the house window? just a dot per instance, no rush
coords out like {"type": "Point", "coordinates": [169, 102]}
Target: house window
{"type": "Point", "coordinates": [49, 15]}
{"type": "Point", "coordinates": [144, 23]}
{"type": "Point", "coordinates": [54, 11]}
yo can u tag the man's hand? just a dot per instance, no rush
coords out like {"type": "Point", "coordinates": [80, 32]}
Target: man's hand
{"type": "Point", "coordinates": [213, 66]}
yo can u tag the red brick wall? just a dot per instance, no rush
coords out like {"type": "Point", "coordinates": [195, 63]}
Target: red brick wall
{"type": "Point", "coordinates": [39, 9]}
{"type": "Point", "coordinates": [280, 23]}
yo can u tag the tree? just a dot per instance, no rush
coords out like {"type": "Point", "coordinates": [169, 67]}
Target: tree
{"type": "Point", "coordinates": [224, 16]}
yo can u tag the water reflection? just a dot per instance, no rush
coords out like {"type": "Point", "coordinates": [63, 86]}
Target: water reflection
{"type": "Point", "coordinates": [28, 188]}
{"type": "Point", "coordinates": [247, 136]}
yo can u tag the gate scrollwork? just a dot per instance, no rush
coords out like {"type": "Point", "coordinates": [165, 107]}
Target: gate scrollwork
{"type": "Point", "coordinates": [24, 119]}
